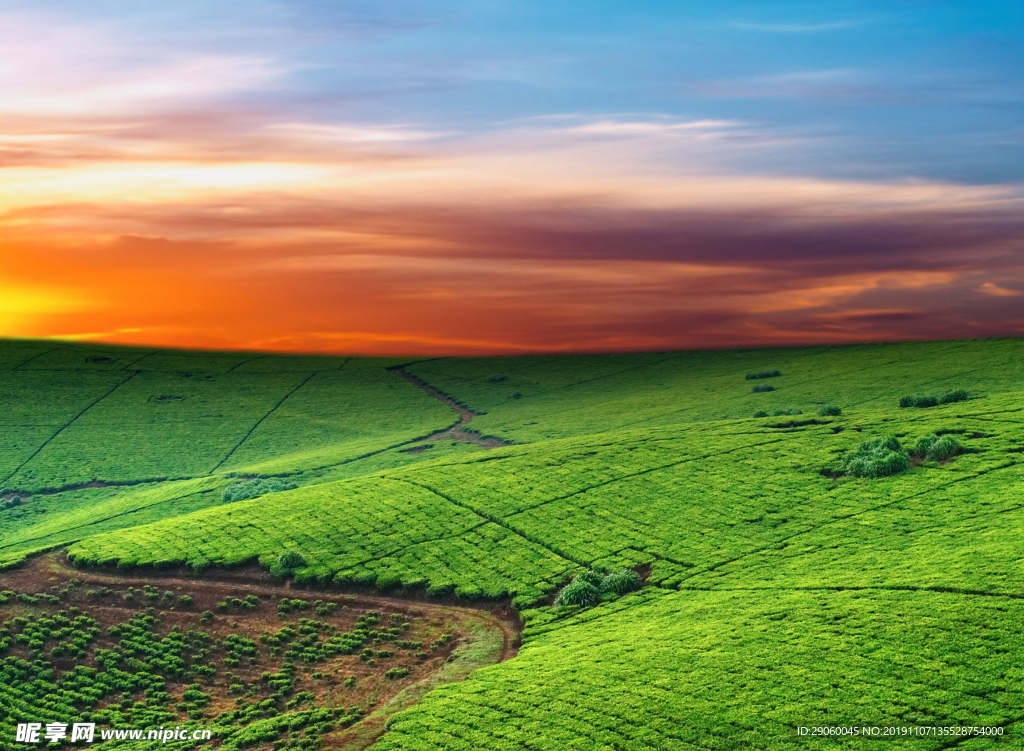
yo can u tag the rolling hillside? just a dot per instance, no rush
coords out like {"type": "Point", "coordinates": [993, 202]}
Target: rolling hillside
{"type": "Point", "coordinates": [781, 590]}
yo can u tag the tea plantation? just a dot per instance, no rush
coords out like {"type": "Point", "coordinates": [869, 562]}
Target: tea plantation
{"type": "Point", "coordinates": [843, 550]}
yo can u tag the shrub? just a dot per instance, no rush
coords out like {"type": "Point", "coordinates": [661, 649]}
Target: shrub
{"type": "Point", "coordinates": [396, 673]}
{"type": "Point", "coordinates": [762, 388]}
{"type": "Point", "coordinates": [919, 400]}
{"type": "Point", "coordinates": [585, 589]}
{"type": "Point", "coordinates": [595, 578]}
{"type": "Point", "coordinates": [763, 374]}
{"type": "Point", "coordinates": [621, 582]}
{"type": "Point", "coordinates": [829, 411]}
{"type": "Point", "coordinates": [289, 560]}
{"type": "Point", "coordinates": [937, 448]}
{"type": "Point", "coordinates": [878, 458]}
{"type": "Point", "coordinates": [579, 592]}
{"type": "Point", "coordinates": [781, 412]}
{"type": "Point", "coordinates": [497, 378]}
{"type": "Point", "coordinates": [241, 491]}
{"type": "Point", "coordinates": [760, 413]}
{"type": "Point", "coordinates": [955, 395]}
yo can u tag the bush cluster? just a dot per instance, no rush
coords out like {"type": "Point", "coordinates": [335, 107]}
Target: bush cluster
{"type": "Point", "coordinates": [242, 491]}
{"type": "Point", "coordinates": [879, 458]}
{"type": "Point", "coordinates": [933, 400]}
{"type": "Point", "coordinates": [587, 589]}
{"type": "Point", "coordinates": [935, 448]}
{"type": "Point", "coordinates": [251, 602]}
{"type": "Point", "coordinates": [829, 411]}
{"type": "Point", "coordinates": [763, 374]}
{"type": "Point", "coordinates": [761, 388]}
{"type": "Point", "coordinates": [10, 503]}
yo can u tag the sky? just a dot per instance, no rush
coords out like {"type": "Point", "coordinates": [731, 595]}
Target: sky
{"type": "Point", "coordinates": [489, 176]}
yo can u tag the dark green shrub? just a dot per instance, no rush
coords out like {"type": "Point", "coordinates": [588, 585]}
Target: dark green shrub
{"type": "Point", "coordinates": [955, 395]}
{"type": "Point", "coordinates": [762, 388]}
{"type": "Point", "coordinates": [621, 582]}
{"type": "Point", "coordinates": [289, 560]}
{"type": "Point", "coordinates": [585, 589]}
{"type": "Point", "coordinates": [919, 400]}
{"type": "Point", "coordinates": [760, 413]}
{"type": "Point", "coordinates": [579, 592]}
{"type": "Point", "coordinates": [396, 673]}
{"type": "Point", "coordinates": [935, 448]}
{"type": "Point", "coordinates": [878, 458]}
{"type": "Point", "coordinates": [763, 374]}
{"type": "Point", "coordinates": [829, 411]}
{"type": "Point", "coordinates": [497, 378]}
{"type": "Point", "coordinates": [592, 577]}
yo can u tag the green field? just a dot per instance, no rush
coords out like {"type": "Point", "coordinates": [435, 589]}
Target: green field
{"type": "Point", "coordinates": [781, 589]}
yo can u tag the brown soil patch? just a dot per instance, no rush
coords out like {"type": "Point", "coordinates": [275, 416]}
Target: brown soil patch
{"type": "Point", "coordinates": [337, 681]}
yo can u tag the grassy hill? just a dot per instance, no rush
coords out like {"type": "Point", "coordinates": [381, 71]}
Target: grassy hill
{"type": "Point", "coordinates": [782, 589]}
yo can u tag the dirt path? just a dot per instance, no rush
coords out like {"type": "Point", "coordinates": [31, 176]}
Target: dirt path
{"type": "Point", "coordinates": [458, 431]}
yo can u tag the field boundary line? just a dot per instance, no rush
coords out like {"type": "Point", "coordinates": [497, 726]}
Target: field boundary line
{"type": "Point", "coordinates": [243, 362]}
{"type": "Point", "coordinates": [967, 523]}
{"type": "Point", "coordinates": [495, 519]}
{"type": "Point", "coordinates": [465, 379]}
{"type": "Point", "coordinates": [851, 515]}
{"type": "Point", "coordinates": [398, 551]}
{"type": "Point", "coordinates": [66, 425]}
{"type": "Point", "coordinates": [360, 457]}
{"type": "Point", "coordinates": [39, 354]}
{"type": "Point", "coordinates": [931, 589]}
{"type": "Point", "coordinates": [259, 422]}
{"type": "Point", "coordinates": [140, 359]}
{"type": "Point", "coordinates": [105, 519]}
{"type": "Point", "coordinates": [647, 471]}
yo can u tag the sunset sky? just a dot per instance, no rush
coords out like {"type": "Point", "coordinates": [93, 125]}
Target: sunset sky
{"type": "Point", "coordinates": [486, 176]}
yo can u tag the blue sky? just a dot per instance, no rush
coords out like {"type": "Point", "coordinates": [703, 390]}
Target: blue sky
{"type": "Point", "coordinates": [928, 89]}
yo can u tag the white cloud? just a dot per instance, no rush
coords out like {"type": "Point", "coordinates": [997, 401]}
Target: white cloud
{"type": "Point", "coordinates": [51, 68]}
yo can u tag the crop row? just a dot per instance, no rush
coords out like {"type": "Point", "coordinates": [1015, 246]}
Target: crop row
{"type": "Point", "coordinates": [737, 669]}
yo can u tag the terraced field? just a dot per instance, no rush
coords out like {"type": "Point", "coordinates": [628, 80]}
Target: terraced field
{"type": "Point", "coordinates": [781, 589]}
